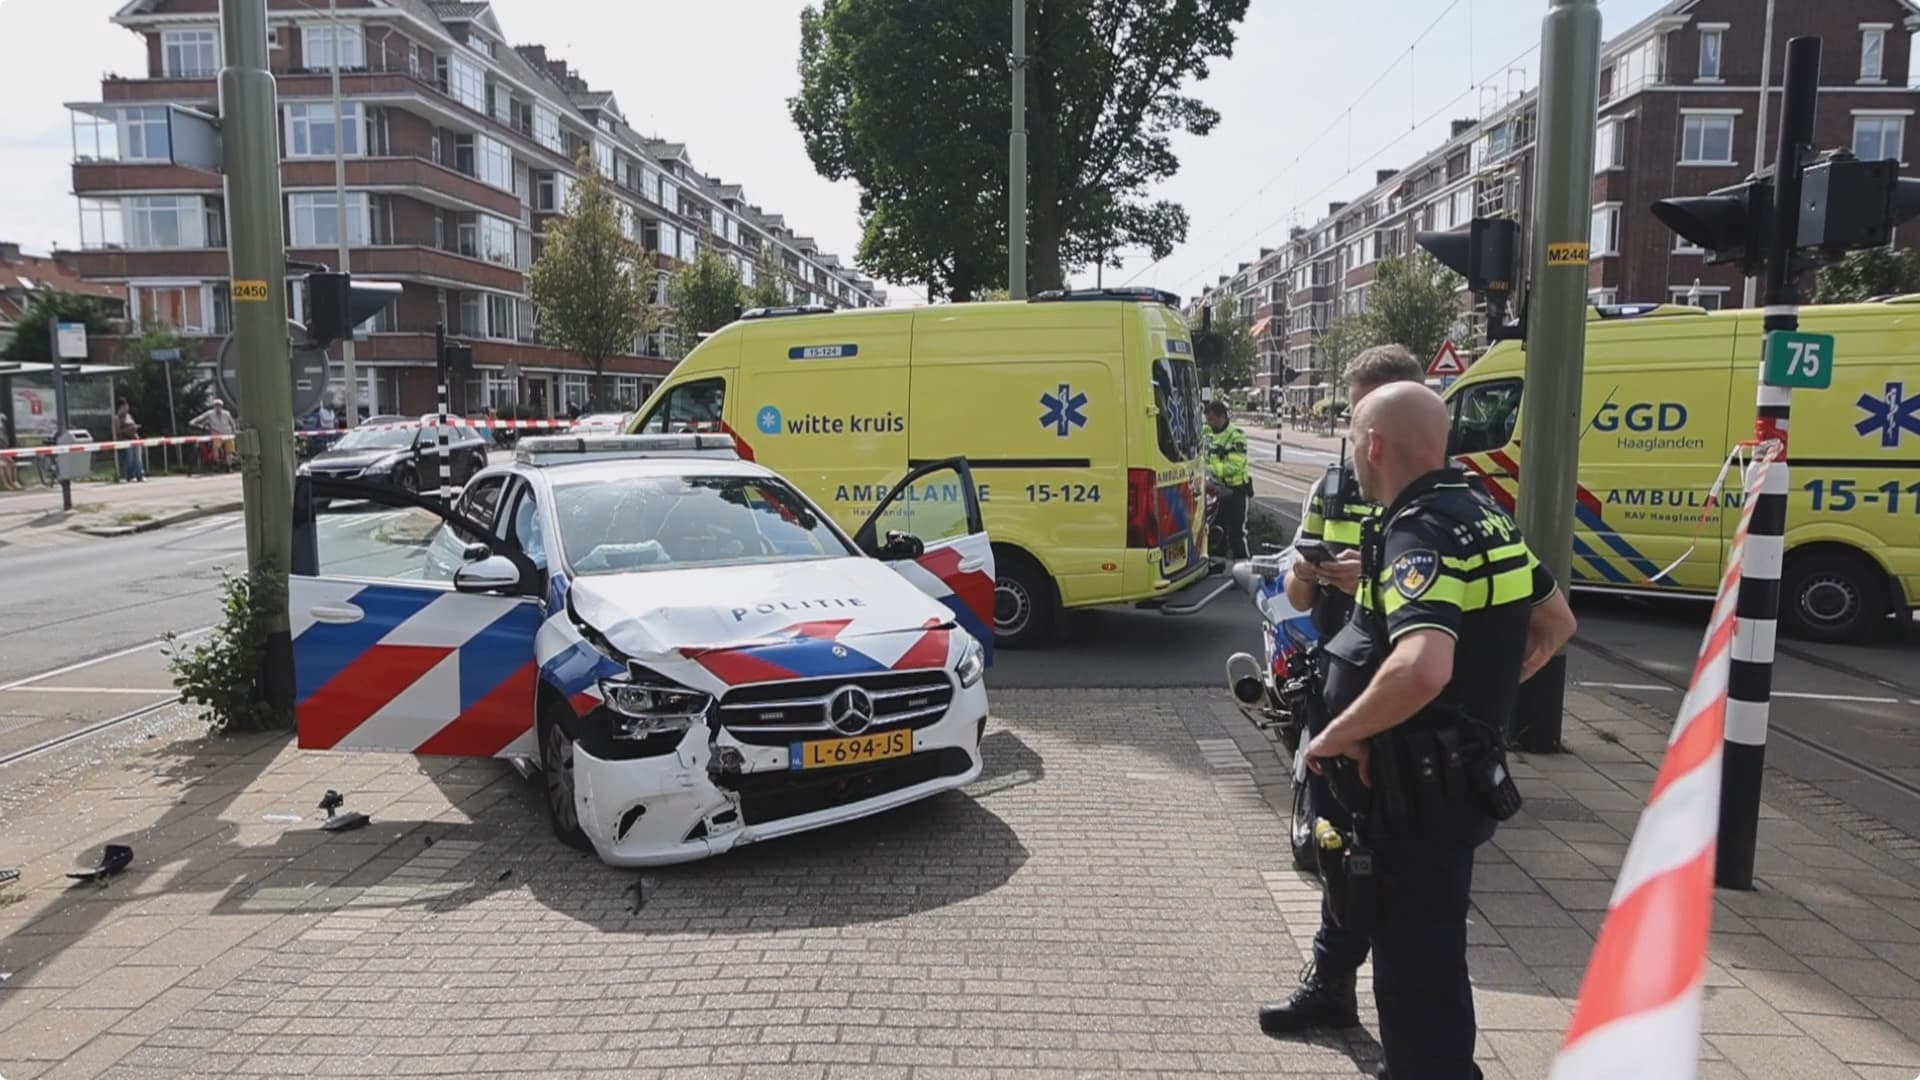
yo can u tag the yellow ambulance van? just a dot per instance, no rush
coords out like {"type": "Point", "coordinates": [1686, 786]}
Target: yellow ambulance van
{"type": "Point", "coordinates": [1669, 392]}
{"type": "Point", "coordinates": [1079, 413]}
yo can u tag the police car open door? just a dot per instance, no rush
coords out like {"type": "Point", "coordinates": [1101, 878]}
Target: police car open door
{"type": "Point", "coordinates": [413, 624]}
{"type": "Point", "coordinates": [938, 506]}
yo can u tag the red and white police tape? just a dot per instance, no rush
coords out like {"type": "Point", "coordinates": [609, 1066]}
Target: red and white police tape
{"type": "Point", "coordinates": [431, 420]}
{"type": "Point", "coordinates": [1640, 1004]}
{"type": "Point", "coordinates": [118, 444]}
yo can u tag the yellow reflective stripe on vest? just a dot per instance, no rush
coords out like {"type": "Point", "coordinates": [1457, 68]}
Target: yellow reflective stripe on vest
{"type": "Point", "coordinates": [1341, 532]}
{"type": "Point", "coordinates": [1457, 583]}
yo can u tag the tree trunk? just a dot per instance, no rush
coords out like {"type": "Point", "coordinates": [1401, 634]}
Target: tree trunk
{"type": "Point", "coordinates": [1045, 226]}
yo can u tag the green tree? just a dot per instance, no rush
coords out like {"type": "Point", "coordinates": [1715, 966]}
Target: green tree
{"type": "Point", "coordinates": [1238, 351]}
{"type": "Point", "coordinates": [1344, 338]}
{"type": "Point", "coordinates": [768, 273]}
{"type": "Point", "coordinates": [703, 296]}
{"type": "Point", "coordinates": [1104, 103]}
{"type": "Point", "coordinates": [1414, 301]}
{"type": "Point", "coordinates": [144, 384]}
{"type": "Point", "coordinates": [1863, 275]}
{"type": "Point", "coordinates": [591, 283]}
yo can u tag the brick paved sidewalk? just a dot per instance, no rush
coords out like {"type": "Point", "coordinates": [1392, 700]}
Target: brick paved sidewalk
{"type": "Point", "coordinates": [1109, 899]}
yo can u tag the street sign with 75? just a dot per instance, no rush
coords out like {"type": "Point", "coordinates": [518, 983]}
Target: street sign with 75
{"type": "Point", "coordinates": [1798, 360]}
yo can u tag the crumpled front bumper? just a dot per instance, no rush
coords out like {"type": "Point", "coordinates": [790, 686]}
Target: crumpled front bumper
{"type": "Point", "coordinates": [669, 809]}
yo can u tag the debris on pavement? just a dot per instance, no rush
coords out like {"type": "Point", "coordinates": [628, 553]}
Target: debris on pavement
{"type": "Point", "coordinates": [639, 892]}
{"type": "Point", "coordinates": [281, 819]}
{"type": "Point", "coordinates": [505, 874]}
{"type": "Point", "coordinates": [9, 874]}
{"type": "Point", "coordinates": [115, 858]}
{"type": "Point", "coordinates": [353, 819]}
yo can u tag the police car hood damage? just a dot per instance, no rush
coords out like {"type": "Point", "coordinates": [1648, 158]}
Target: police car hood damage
{"type": "Point", "coordinates": [661, 614]}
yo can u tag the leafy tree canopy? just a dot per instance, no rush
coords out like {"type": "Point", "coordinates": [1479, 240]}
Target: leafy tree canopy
{"type": "Point", "coordinates": [704, 295]}
{"type": "Point", "coordinates": [1105, 80]}
{"type": "Point", "coordinates": [1863, 275]}
{"type": "Point", "coordinates": [592, 282]}
{"type": "Point", "coordinates": [1413, 301]}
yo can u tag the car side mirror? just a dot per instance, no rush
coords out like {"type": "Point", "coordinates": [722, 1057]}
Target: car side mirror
{"type": "Point", "coordinates": [901, 547]}
{"type": "Point", "coordinates": [494, 573]}
{"type": "Point", "coordinates": [475, 552]}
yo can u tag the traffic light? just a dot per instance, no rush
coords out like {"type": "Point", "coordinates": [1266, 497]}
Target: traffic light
{"type": "Point", "coordinates": [1848, 205]}
{"type": "Point", "coordinates": [459, 357]}
{"type": "Point", "coordinates": [336, 304]}
{"type": "Point", "coordinates": [1485, 251]}
{"type": "Point", "coordinates": [1731, 223]}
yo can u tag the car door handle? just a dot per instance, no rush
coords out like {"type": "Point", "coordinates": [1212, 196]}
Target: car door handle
{"type": "Point", "coordinates": [968, 566]}
{"type": "Point", "coordinates": [343, 613]}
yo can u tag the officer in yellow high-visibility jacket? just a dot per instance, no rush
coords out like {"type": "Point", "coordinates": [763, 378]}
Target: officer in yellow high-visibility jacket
{"type": "Point", "coordinates": [1227, 470]}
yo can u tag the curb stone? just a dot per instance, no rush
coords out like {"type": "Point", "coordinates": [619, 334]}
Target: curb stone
{"type": "Point", "coordinates": [176, 518]}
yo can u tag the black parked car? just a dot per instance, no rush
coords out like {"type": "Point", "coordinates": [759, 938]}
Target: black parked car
{"type": "Point", "coordinates": [394, 454]}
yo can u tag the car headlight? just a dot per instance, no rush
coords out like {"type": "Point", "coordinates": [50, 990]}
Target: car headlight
{"type": "Point", "coordinates": [643, 709]}
{"type": "Point", "coordinates": [382, 465]}
{"type": "Point", "coordinates": [973, 663]}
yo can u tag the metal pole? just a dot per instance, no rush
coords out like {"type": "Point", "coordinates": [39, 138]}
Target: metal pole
{"type": "Point", "coordinates": [1557, 325]}
{"type": "Point", "coordinates": [60, 401]}
{"type": "Point", "coordinates": [1750, 676]}
{"type": "Point", "coordinates": [350, 401]}
{"type": "Point", "coordinates": [173, 419]}
{"type": "Point", "coordinates": [430, 484]}
{"type": "Point", "coordinates": [1017, 162]}
{"type": "Point", "coordinates": [251, 161]}
{"type": "Point", "coordinates": [1760, 125]}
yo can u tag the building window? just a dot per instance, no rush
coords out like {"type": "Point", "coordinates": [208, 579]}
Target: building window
{"type": "Point", "coordinates": [546, 128]}
{"type": "Point", "coordinates": [492, 162]}
{"type": "Point", "coordinates": [313, 218]}
{"type": "Point", "coordinates": [1602, 297]}
{"type": "Point", "coordinates": [1711, 297]}
{"type": "Point", "coordinates": [182, 307]}
{"type": "Point", "coordinates": [550, 192]}
{"type": "Point", "coordinates": [1684, 246]}
{"type": "Point", "coordinates": [502, 104]}
{"type": "Point", "coordinates": [190, 54]}
{"type": "Point", "coordinates": [320, 45]}
{"type": "Point", "coordinates": [138, 133]}
{"type": "Point", "coordinates": [167, 221]}
{"type": "Point", "coordinates": [1878, 138]}
{"type": "Point", "coordinates": [102, 224]}
{"type": "Point", "coordinates": [689, 247]}
{"type": "Point", "coordinates": [1605, 238]}
{"type": "Point", "coordinates": [668, 239]}
{"type": "Point", "coordinates": [467, 83]}
{"type": "Point", "coordinates": [311, 130]}
{"type": "Point", "coordinates": [496, 240]}
{"type": "Point", "coordinates": [1873, 53]}
{"type": "Point", "coordinates": [500, 316]}
{"type": "Point", "coordinates": [650, 186]}
{"type": "Point", "coordinates": [1712, 38]}
{"type": "Point", "coordinates": [1707, 139]}
{"type": "Point", "coordinates": [603, 158]}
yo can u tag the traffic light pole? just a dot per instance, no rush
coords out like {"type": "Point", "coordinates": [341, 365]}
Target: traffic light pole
{"type": "Point", "coordinates": [251, 162]}
{"type": "Point", "coordinates": [1557, 326]}
{"type": "Point", "coordinates": [1750, 676]}
{"type": "Point", "coordinates": [430, 483]}
{"type": "Point", "coordinates": [1017, 162]}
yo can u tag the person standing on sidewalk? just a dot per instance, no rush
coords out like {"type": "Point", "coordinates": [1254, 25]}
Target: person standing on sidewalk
{"type": "Point", "coordinates": [133, 459]}
{"type": "Point", "coordinates": [9, 474]}
{"type": "Point", "coordinates": [217, 421]}
{"type": "Point", "coordinates": [1227, 471]}
{"type": "Point", "coordinates": [1421, 681]}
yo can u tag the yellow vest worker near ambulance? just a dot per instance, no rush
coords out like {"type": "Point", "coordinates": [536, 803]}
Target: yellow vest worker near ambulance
{"type": "Point", "coordinates": [1669, 391]}
{"type": "Point", "coordinates": [1079, 414]}
{"type": "Point", "coordinates": [1227, 472]}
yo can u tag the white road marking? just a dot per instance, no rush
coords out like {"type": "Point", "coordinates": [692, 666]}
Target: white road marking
{"type": "Point", "coordinates": [241, 554]}
{"type": "Point", "coordinates": [1626, 686]}
{"type": "Point", "coordinates": [91, 690]}
{"type": "Point", "coordinates": [45, 675]}
{"type": "Point", "coordinates": [1798, 695]}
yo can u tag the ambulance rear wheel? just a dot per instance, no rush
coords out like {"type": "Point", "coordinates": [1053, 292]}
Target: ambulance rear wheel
{"type": "Point", "coordinates": [1833, 594]}
{"type": "Point", "coordinates": [1025, 607]}
{"type": "Point", "coordinates": [556, 780]}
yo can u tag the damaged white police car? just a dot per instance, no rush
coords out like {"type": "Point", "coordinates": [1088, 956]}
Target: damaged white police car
{"type": "Point", "coordinates": [694, 654]}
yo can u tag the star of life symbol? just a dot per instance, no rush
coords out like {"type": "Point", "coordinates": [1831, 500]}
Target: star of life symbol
{"type": "Point", "coordinates": [1894, 416]}
{"type": "Point", "coordinates": [1063, 411]}
{"type": "Point", "coordinates": [769, 420]}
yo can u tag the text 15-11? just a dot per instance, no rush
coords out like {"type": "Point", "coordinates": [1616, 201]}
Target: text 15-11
{"type": "Point", "coordinates": [1842, 495]}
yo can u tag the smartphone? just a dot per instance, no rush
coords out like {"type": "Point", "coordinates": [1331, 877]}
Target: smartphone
{"type": "Point", "coordinates": [1315, 552]}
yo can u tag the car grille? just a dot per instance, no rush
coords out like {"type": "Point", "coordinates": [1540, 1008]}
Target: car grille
{"type": "Point", "coordinates": [773, 796]}
{"type": "Point", "coordinates": [776, 714]}
{"type": "Point", "coordinates": [348, 473]}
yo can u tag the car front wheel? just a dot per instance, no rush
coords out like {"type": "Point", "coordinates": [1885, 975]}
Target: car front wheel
{"type": "Point", "coordinates": [556, 779]}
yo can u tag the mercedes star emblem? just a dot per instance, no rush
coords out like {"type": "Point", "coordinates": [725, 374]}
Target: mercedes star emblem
{"type": "Point", "coordinates": [850, 710]}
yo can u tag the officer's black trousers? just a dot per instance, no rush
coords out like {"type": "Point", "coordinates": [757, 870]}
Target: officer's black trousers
{"type": "Point", "coordinates": [1420, 954]}
{"type": "Point", "coordinates": [1232, 520]}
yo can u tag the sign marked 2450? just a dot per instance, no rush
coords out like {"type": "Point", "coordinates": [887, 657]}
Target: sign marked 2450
{"type": "Point", "coordinates": [251, 292]}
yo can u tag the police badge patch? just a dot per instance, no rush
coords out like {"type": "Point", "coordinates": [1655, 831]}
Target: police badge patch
{"type": "Point", "coordinates": [1413, 573]}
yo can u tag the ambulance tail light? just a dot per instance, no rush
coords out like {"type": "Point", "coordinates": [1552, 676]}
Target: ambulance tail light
{"type": "Point", "coordinates": [1143, 511]}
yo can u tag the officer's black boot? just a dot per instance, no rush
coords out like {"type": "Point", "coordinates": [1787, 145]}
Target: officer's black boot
{"type": "Point", "coordinates": [1324, 1000]}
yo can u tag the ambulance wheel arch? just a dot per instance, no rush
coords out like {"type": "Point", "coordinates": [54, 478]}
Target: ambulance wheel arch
{"type": "Point", "coordinates": [1027, 608]}
{"type": "Point", "coordinates": [1834, 591]}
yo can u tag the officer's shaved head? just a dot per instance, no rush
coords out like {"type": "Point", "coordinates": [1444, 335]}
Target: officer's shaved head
{"type": "Point", "coordinates": [1399, 433]}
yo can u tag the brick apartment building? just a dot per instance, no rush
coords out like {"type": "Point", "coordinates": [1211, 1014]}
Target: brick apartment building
{"type": "Point", "coordinates": [459, 148]}
{"type": "Point", "coordinates": [1679, 97]}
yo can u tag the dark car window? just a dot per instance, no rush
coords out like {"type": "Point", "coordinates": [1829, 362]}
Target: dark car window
{"type": "Point", "coordinates": [481, 500]}
{"type": "Point", "coordinates": [1484, 416]}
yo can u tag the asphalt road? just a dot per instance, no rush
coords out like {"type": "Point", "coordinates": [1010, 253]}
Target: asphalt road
{"type": "Point", "coordinates": [1846, 717]}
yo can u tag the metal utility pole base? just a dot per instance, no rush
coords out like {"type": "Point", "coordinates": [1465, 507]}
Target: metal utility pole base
{"type": "Point", "coordinates": [1537, 710]}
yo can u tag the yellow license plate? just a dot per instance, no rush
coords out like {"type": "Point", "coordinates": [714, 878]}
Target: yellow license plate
{"type": "Point", "coordinates": [832, 753]}
{"type": "Point", "coordinates": [1174, 555]}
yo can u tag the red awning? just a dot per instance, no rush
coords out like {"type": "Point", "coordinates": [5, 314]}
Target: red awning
{"type": "Point", "coordinates": [1261, 326]}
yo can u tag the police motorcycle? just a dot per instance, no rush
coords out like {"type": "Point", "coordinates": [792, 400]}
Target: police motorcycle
{"type": "Point", "coordinates": [1279, 690]}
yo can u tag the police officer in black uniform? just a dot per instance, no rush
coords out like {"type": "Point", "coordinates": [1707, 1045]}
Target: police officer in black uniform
{"type": "Point", "coordinates": [1420, 684]}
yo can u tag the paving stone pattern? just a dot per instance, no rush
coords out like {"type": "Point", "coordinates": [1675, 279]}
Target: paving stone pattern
{"type": "Point", "coordinates": [1111, 898]}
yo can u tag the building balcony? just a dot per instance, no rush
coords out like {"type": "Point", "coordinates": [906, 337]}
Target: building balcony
{"type": "Point", "coordinates": [403, 261]}
{"type": "Point", "coordinates": [423, 179]}
{"type": "Point", "coordinates": [417, 347]}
